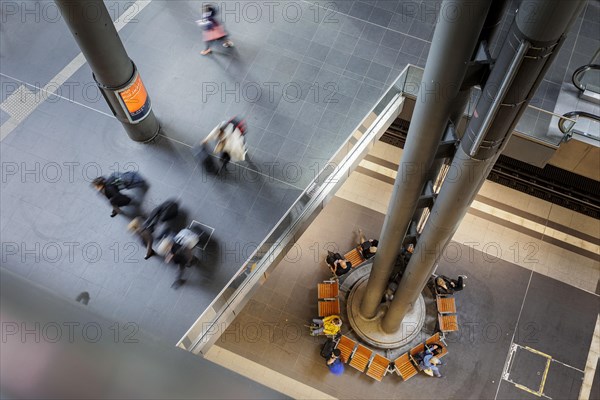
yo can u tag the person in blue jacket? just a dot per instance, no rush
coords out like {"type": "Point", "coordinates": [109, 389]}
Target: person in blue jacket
{"type": "Point", "coordinates": [335, 363]}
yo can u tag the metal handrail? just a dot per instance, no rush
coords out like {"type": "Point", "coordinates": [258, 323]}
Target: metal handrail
{"type": "Point", "coordinates": [579, 72]}
{"type": "Point", "coordinates": [569, 116]}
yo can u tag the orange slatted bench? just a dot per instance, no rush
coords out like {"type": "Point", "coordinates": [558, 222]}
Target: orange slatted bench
{"type": "Point", "coordinates": [361, 357]}
{"type": "Point", "coordinates": [448, 323]}
{"type": "Point", "coordinates": [328, 290]}
{"type": "Point", "coordinates": [404, 367]}
{"type": "Point", "coordinates": [435, 339]}
{"type": "Point", "coordinates": [327, 308]}
{"type": "Point", "coordinates": [446, 305]}
{"type": "Point", "coordinates": [346, 346]}
{"type": "Point", "coordinates": [355, 257]}
{"type": "Point", "coordinates": [417, 349]}
{"type": "Point", "coordinates": [378, 367]}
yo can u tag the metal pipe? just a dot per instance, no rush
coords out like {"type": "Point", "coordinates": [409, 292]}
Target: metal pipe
{"type": "Point", "coordinates": [544, 28]}
{"type": "Point", "coordinates": [493, 21]}
{"type": "Point", "coordinates": [504, 86]}
{"type": "Point", "coordinates": [453, 44]}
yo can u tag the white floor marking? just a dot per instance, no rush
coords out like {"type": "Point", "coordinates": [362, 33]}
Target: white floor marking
{"type": "Point", "coordinates": [28, 104]}
{"type": "Point", "coordinates": [512, 340]}
{"type": "Point", "coordinates": [591, 363]}
{"type": "Point", "coordinates": [212, 230]}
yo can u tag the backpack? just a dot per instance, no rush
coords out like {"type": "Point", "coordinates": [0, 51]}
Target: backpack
{"type": "Point", "coordinates": [170, 211]}
{"type": "Point", "coordinates": [238, 123]}
{"type": "Point", "coordinates": [328, 348]}
{"type": "Point", "coordinates": [120, 200]}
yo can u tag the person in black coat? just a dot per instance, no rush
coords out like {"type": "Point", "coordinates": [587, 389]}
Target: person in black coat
{"type": "Point", "coordinates": [338, 264]}
{"type": "Point", "coordinates": [163, 213]}
{"type": "Point", "coordinates": [113, 194]}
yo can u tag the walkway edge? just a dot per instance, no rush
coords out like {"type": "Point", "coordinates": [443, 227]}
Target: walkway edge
{"type": "Point", "coordinates": [264, 375]}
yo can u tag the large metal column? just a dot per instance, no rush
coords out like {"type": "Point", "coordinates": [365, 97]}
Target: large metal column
{"type": "Point", "coordinates": [453, 44]}
{"type": "Point", "coordinates": [532, 43]}
{"type": "Point", "coordinates": [115, 74]}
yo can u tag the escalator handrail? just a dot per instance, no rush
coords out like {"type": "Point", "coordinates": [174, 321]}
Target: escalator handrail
{"type": "Point", "coordinates": [570, 115]}
{"type": "Point", "coordinates": [579, 72]}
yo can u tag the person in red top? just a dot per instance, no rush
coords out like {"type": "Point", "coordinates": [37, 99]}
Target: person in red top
{"type": "Point", "coordinates": [213, 30]}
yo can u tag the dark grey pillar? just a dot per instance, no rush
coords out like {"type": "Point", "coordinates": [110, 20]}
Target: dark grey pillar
{"type": "Point", "coordinates": [453, 44]}
{"type": "Point", "coordinates": [533, 41]}
{"type": "Point", "coordinates": [115, 74]}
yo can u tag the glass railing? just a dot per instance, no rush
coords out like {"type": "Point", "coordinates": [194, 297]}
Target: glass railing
{"type": "Point", "coordinates": [221, 312]}
{"type": "Point", "coordinates": [581, 123]}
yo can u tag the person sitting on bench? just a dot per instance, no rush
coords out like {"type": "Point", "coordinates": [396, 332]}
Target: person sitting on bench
{"type": "Point", "coordinates": [368, 248]}
{"type": "Point", "coordinates": [428, 360]}
{"type": "Point", "coordinates": [334, 362]}
{"type": "Point", "coordinates": [327, 326]}
{"type": "Point", "coordinates": [445, 285]}
{"type": "Point", "coordinates": [338, 264]}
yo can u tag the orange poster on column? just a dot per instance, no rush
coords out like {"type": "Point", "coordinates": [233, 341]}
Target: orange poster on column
{"type": "Point", "coordinates": [135, 99]}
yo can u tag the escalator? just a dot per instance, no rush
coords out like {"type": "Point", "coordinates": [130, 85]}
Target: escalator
{"type": "Point", "coordinates": [550, 183]}
{"type": "Point", "coordinates": [571, 120]}
{"type": "Point", "coordinates": [587, 80]}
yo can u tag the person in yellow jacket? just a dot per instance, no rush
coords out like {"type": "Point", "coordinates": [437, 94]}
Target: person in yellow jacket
{"type": "Point", "coordinates": [327, 326]}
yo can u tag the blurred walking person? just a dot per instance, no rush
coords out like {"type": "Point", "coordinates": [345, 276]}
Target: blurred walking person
{"type": "Point", "coordinates": [230, 141]}
{"type": "Point", "coordinates": [163, 213]}
{"type": "Point", "coordinates": [179, 249]}
{"type": "Point", "coordinates": [212, 29]}
{"type": "Point", "coordinates": [113, 194]}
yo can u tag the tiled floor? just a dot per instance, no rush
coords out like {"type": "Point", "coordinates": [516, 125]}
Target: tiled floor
{"type": "Point", "coordinates": [302, 84]}
{"type": "Point", "coordinates": [63, 239]}
{"type": "Point", "coordinates": [270, 331]}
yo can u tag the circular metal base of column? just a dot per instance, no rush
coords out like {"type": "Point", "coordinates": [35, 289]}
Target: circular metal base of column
{"type": "Point", "coordinates": [370, 330]}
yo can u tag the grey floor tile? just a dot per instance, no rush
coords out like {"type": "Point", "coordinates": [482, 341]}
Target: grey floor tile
{"type": "Point", "coordinates": [317, 51]}
{"type": "Point", "coordinates": [311, 113]}
{"type": "Point", "coordinates": [413, 46]}
{"type": "Point", "coordinates": [326, 34]}
{"type": "Point", "coordinates": [364, 49]}
{"type": "Point", "coordinates": [332, 121]}
{"type": "Point", "coordinates": [348, 86]}
{"type": "Point", "coordinates": [358, 65]}
{"type": "Point", "coordinates": [324, 78]}
{"type": "Point", "coordinates": [260, 116]}
{"type": "Point", "coordinates": [400, 23]}
{"type": "Point", "coordinates": [373, 33]}
{"type": "Point", "coordinates": [340, 104]}
{"type": "Point", "coordinates": [351, 26]}
{"type": "Point", "coordinates": [393, 40]}
{"type": "Point", "coordinates": [337, 58]}
{"type": "Point", "coordinates": [380, 16]}
{"type": "Point", "coordinates": [290, 105]}
{"type": "Point", "coordinates": [360, 10]}
{"type": "Point", "coordinates": [306, 72]}
{"type": "Point", "coordinates": [378, 72]}
{"type": "Point", "coordinates": [281, 125]}
{"type": "Point", "coordinates": [422, 30]}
